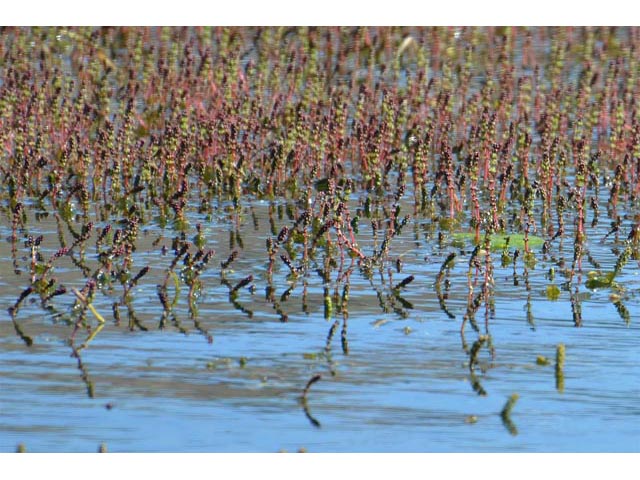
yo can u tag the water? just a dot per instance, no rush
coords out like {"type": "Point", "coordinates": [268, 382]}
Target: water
{"type": "Point", "coordinates": [404, 386]}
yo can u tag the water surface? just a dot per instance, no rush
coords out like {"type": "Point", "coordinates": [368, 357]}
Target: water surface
{"type": "Point", "coordinates": [405, 384]}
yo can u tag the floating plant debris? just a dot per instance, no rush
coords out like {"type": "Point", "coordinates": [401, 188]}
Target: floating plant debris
{"type": "Point", "coordinates": [553, 292]}
{"type": "Point", "coordinates": [542, 360]}
{"type": "Point", "coordinates": [471, 419]}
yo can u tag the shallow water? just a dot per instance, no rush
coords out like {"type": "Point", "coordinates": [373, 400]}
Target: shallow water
{"type": "Point", "coordinates": [405, 370]}
{"type": "Point", "coordinates": [405, 384]}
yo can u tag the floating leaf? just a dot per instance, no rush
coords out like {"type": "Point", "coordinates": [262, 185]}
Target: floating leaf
{"type": "Point", "coordinates": [542, 360]}
{"type": "Point", "coordinates": [596, 280]}
{"type": "Point", "coordinates": [500, 241]}
{"type": "Point", "coordinates": [553, 292]}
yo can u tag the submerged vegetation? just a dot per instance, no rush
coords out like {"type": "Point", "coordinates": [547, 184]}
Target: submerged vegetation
{"type": "Point", "coordinates": [506, 148]}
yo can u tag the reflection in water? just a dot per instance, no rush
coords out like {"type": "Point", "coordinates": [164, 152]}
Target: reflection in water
{"type": "Point", "coordinates": [560, 357]}
{"type": "Point", "coordinates": [370, 355]}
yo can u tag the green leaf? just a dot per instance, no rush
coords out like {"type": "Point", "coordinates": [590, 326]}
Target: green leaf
{"type": "Point", "coordinates": [322, 185]}
{"type": "Point", "coordinates": [553, 292]}
{"type": "Point", "coordinates": [596, 280]}
{"type": "Point", "coordinates": [542, 360]}
{"type": "Point", "coordinates": [499, 240]}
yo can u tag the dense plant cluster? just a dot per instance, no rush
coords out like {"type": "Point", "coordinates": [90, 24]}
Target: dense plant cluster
{"type": "Point", "coordinates": [492, 132]}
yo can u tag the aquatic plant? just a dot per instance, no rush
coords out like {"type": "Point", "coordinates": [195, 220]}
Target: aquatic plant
{"type": "Point", "coordinates": [509, 152]}
{"type": "Point", "coordinates": [505, 414]}
{"type": "Point", "coordinates": [560, 358]}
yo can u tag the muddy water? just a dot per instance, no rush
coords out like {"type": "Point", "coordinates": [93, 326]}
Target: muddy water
{"type": "Point", "coordinates": [404, 384]}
